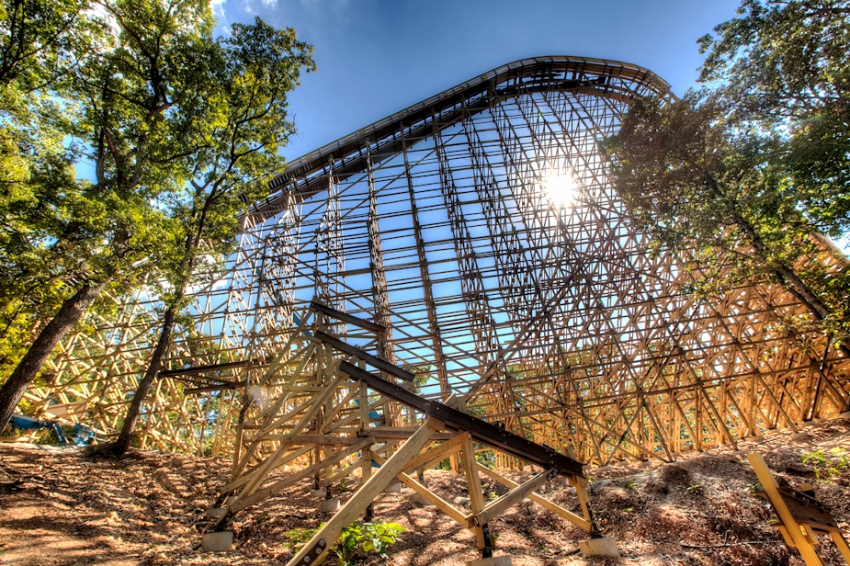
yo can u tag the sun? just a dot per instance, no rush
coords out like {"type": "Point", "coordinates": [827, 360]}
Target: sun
{"type": "Point", "coordinates": [561, 189]}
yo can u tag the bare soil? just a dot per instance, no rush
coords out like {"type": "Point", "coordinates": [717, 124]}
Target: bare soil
{"type": "Point", "coordinates": [60, 507]}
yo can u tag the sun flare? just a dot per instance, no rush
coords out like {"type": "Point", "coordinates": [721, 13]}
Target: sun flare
{"type": "Point", "coordinates": [562, 190]}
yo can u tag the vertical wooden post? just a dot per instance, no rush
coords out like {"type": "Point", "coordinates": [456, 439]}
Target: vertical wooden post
{"type": "Point", "coordinates": [476, 498]}
{"type": "Point", "coordinates": [313, 551]}
{"type": "Point", "coordinates": [366, 453]}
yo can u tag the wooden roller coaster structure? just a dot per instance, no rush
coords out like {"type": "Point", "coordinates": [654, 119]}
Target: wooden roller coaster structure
{"type": "Point", "coordinates": [324, 404]}
{"type": "Point", "coordinates": [480, 232]}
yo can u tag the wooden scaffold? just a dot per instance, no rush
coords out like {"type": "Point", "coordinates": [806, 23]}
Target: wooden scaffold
{"type": "Point", "coordinates": [318, 404]}
{"type": "Point", "coordinates": [481, 229]}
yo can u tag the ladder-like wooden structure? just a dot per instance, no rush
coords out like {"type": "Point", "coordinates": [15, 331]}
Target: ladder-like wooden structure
{"type": "Point", "coordinates": [319, 405]}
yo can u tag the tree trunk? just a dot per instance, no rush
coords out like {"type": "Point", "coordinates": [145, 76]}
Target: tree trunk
{"type": "Point", "coordinates": [122, 443]}
{"type": "Point", "coordinates": [72, 311]}
{"type": "Point", "coordinates": [795, 285]}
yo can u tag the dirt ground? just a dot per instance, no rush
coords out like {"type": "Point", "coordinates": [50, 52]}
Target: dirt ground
{"type": "Point", "coordinates": [61, 507]}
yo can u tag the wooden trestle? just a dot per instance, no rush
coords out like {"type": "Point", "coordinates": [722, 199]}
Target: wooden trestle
{"type": "Point", "coordinates": [318, 409]}
{"type": "Point", "coordinates": [481, 229]}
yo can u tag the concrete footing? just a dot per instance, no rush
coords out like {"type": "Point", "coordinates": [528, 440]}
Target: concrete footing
{"type": "Point", "coordinates": [217, 542]}
{"type": "Point", "coordinates": [328, 505]}
{"type": "Point", "coordinates": [216, 512]}
{"type": "Point", "coordinates": [604, 546]}
{"type": "Point", "coordinates": [318, 492]}
{"type": "Point", "coordinates": [393, 488]}
{"type": "Point", "coordinates": [495, 561]}
{"type": "Point", "coordinates": [420, 500]}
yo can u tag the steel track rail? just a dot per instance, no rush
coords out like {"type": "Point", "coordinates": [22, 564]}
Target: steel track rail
{"type": "Point", "coordinates": [386, 138]}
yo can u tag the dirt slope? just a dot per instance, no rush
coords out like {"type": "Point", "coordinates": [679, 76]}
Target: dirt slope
{"type": "Point", "coordinates": [60, 507]}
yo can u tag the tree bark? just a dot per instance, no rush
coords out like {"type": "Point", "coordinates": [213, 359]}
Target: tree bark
{"type": "Point", "coordinates": [71, 311]}
{"type": "Point", "coordinates": [122, 443]}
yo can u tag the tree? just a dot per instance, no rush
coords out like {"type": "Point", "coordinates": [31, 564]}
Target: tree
{"type": "Point", "coordinates": [135, 99]}
{"type": "Point", "coordinates": [41, 42]}
{"type": "Point", "coordinates": [737, 172]}
{"type": "Point", "coordinates": [785, 65]}
{"type": "Point", "coordinates": [245, 126]}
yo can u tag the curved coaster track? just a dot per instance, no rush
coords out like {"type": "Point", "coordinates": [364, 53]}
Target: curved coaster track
{"type": "Point", "coordinates": [480, 230]}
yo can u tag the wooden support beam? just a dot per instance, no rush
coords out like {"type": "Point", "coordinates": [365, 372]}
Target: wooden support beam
{"type": "Point", "coordinates": [442, 451]}
{"type": "Point", "coordinates": [242, 503]}
{"type": "Point", "coordinates": [438, 502]}
{"type": "Point", "coordinates": [508, 500]}
{"type": "Point", "coordinates": [313, 550]}
{"type": "Point", "coordinates": [578, 521]}
{"type": "Point", "coordinates": [802, 542]}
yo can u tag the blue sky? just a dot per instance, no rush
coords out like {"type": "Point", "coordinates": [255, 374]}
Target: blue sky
{"type": "Point", "coordinates": [376, 57]}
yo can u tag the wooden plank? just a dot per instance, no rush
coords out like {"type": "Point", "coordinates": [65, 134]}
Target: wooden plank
{"type": "Point", "coordinates": [540, 500]}
{"type": "Point", "coordinates": [328, 534]}
{"type": "Point", "coordinates": [476, 495]}
{"type": "Point", "coordinates": [508, 500]}
{"type": "Point", "coordinates": [442, 451]}
{"type": "Point", "coordinates": [439, 502]}
{"type": "Point", "coordinates": [806, 549]}
{"type": "Point", "coordinates": [298, 476]}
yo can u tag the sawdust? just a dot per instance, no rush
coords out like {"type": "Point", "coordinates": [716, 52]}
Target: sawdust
{"type": "Point", "coordinates": [63, 508]}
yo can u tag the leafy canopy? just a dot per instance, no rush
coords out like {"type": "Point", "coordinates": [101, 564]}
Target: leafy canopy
{"type": "Point", "coordinates": [744, 173]}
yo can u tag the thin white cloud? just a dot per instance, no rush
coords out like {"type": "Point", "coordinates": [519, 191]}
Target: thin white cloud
{"type": "Point", "coordinates": [218, 7]}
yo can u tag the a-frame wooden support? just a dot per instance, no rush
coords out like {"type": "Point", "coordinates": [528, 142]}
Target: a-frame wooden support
{"type": "Point", "coordinates": [802, 516]}
{"type": "Point", "coordinates": [318, 394]}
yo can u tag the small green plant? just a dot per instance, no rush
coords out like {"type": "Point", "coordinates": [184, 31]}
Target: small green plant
{"type": "Point", "coordinates": [358, 538]}
{"type": "Point", "coordinates": [628, 510]}
{"type": "Point", "coordinates": [842, 458]}
{"type": "Point", "coordinates": [492, 496]}
{"type": "Point", "coordinates": [754, 487]}
{"type": "Point", "coordinates": [631, 485]}
{"type": "Point", "coordinates": [823, 465]}
{"type": "Point", "coordinates": [343, 485]}
{"type": "Point", "coordinates": [695, 489]}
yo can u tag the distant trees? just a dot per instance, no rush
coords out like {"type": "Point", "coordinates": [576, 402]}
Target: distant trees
{"type": "Point", "coordinates": [174, 125]}
{"type": "Point", "coordinates": [755, 165]}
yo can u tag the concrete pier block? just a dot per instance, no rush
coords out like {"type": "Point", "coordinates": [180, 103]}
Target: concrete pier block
{"type": "Point", "coordinates": [217, 542]}
{"type": "Point", "coordinates": [495, 561]}
{"type": "Point", "coordinates": [328, 505]}
{"type": "Point", "coordinates": [604, 546]}
{"type": "Point", "coordinates": [216, 512]}
{"type": "Point", "coordinates": [318, 492]}
{"type": "Point", "coordinates": [393, 488]}
{"type": "Point", "coordinates": [420, 500]}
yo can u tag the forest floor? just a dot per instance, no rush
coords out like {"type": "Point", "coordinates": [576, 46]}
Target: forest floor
{"type": "Point", "coordinates": [62, 507]}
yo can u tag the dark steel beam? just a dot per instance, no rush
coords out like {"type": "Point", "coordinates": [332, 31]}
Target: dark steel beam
{"type": "Point", "coordinates": [345, 317]}
{"type": "Point", "coordinates": [481, 431]}
{"type": "Point", "coordinates": [373, 361]}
